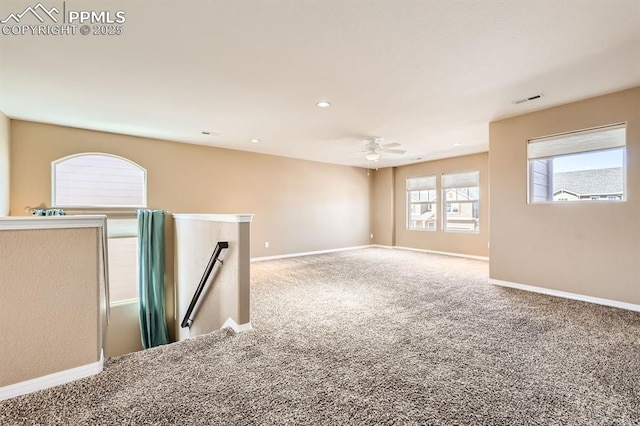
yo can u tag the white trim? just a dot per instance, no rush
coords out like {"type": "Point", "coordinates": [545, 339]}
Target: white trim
{"type": "Point", "coordinates": [309, 253]}
{"type": "Point", "coordinates": [52, 222]}
{"type": "Point", "coordinates": [445, 253]}
{"type": "Point", "coordinates": [50, 380]}
{"type": "Point", "coordinates": [125, 302]}
{"type": "Point", "coordinates": [381, 246]}
{"type": "Point", "coordinates": [238, 328]}
{"type": "Point", "coordinates": [567, 295]}
{"type": "Point", "coordinates": [306, 253]}
{"type": "Point", "coordinates": [215, 217]}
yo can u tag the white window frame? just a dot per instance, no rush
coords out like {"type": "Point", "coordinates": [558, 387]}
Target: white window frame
{"type": "Point", "coordinates": [445, 202]}
{"type": "Point", "coordinates": [427, 185]}
{"type": "Point", "coordinates": [55, 163]}
{"type": "Point", "coordinates": [123, 232]}
{"type": "Point", "coordinates": [595, 146]}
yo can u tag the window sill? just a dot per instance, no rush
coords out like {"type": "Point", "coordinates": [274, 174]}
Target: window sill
{"type": "Point", "coordinates": [451, 231]}
{"type": "Point", "coordinates": [124, 302]}
{"type": "Point", "coordinates": [533, 203]}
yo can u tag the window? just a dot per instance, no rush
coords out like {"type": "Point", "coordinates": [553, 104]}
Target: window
{"type": "Point", "coordinates": [122, 240]}
{"type": "Point", "coordinates": [461, 195]}
{"type": "Point", "coordinates": [587, 165]}
{"type": "Point", "coordinates": [422, 203]}
{"type": "Point", "coordinates": [453, 208]}
{"type": "Point", "coordinates": [96, 181]}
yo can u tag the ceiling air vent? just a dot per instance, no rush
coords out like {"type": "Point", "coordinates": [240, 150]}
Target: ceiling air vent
{"type": "Point", "coordinates": [530, 98]}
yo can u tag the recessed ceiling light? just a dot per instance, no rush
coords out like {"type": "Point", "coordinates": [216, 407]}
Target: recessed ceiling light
{"type": "Point", "coordinates": [323, 104]}
{"type": "Point", "coordinates": [456, 144]}
{"type": "Point", "coordinates": [255, 141]}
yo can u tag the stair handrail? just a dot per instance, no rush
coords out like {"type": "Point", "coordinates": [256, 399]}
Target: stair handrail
{"type": "Point", "coordinates": [187, 320]}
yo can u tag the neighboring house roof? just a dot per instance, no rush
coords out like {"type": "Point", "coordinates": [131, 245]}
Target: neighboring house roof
{"type": "Point", "coordinates": [424, 216]}
{"type": "Point", "coordinates": [588, 182]}
{"type": "Point", "coordinates": [564, 191]}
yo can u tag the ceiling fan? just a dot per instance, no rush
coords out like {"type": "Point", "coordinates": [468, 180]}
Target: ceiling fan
{"type": "Point", "coordinates": [374, 147]}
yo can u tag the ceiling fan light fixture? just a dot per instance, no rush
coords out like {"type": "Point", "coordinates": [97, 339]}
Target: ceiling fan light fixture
{"type": "Point", "coordinates": [372, 156]}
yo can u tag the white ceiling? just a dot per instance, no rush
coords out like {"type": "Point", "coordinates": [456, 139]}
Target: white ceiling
{"type": "Point", "coordinates": [425, 74]}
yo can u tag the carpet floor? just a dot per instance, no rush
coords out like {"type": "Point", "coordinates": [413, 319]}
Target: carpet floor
{"type": "Point", "coordinates": [373, 336]}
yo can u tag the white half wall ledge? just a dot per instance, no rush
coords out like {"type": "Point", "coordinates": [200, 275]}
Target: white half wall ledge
{"type": "Point", "coordinates": [567, 295]}
{"type": "Point", "coordinates": [244, 217]}
{"type": "Point", "coordinates": [51, 222]}
{"type": "Point", "coordinates": [51, 380]}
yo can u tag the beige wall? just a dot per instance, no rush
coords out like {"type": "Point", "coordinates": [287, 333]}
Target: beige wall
{"type": "Point", "coordinates": [4, 164]}
{"type": "Point", "coordinates": [226, 294]}
{"type": "Point", "coordinates": [587, 248]}
{"type": "Point", "coordinates": [299, 205]}
{"type": "Point", "coordinates": [450, 242]}
{"type": "Point", "coordinates": [382, 207]}
{"type": "Point", "coordinates": [49, 320]}
{"type": "Point", "coordinates": [123, 331]}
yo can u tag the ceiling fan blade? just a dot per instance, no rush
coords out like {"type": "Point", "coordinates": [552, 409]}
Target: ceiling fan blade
{"type": "Point", "coordinates": [394, 151]}
{"type": "Point", "coordinates": [390, 145]}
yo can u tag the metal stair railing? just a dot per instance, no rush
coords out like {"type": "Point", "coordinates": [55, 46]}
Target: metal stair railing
{"type": "Point", "coordinates": [187, 320]}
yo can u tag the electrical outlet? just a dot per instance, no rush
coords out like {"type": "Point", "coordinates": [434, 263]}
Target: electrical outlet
{"type": "Point", "coordinates": [371, 235]}
{"type": "Point", "coordinates": [266, 244]}
{"type": "Point", "coordinates": [488, 245]}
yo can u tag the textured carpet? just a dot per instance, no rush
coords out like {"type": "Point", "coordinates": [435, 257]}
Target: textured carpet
{"type": "Point", "coordinates": [373, 336]}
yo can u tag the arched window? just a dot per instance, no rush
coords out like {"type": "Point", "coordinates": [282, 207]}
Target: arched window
{"type": "Point", "coordinates": [98, 180]}
{"type": "Point", "coordinates": [105, 181]}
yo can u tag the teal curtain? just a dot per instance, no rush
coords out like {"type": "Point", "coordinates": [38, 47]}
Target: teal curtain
{"type": "Point", "coordinates": [153, 326]}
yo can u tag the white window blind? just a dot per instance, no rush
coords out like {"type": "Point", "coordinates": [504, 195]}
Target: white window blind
{"type": "Point", "coordinates": [461, 179]}
{"type": "Point", "coordinates": [421, 183]}
{"type": "Point", "coordinates": [123, 258]}
{"type": "Point", "coordinates": [589, 140]}
{"type": "Point", "coordinates": [123, 269]}
{"type": "Point", "coordinates": [98, 180]}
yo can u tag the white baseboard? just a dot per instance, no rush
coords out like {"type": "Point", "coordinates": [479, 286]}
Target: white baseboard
{"type": "Point", "coordinates": [238, 328]}
{"type": "Point", "coordinates": [567, 295]}
{"type": "Point", "coordinates": [309, 253]}
{"type": "Point", "coordinates": [445, 253]}
{"type": "Point", "coordinates": [306, 253]}
{"type": "Point", "coordinates": [381, 246]}
{"type": "Point", "coordinates": [50, 380]}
